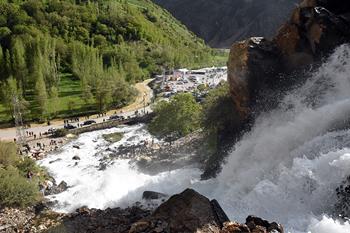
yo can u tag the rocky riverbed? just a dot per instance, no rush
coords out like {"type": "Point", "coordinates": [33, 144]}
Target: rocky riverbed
{"type": "Point", "coordinates": [188, 211]}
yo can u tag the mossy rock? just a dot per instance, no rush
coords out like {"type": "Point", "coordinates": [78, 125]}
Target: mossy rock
{"type": "Point", "coordinates": [113, 137]}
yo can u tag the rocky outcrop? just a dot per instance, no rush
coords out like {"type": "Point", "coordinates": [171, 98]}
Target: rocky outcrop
{"type": "Point", "coordinates": [56, 189]}
{"type": "Point", "coordinates": [315, 28]}
{"type": "Point", "coordinates": [186, 212]}
{"type": "Point", "coordinates": [191, 212]}
{"type": "Point", "coordinates": [342, 206]}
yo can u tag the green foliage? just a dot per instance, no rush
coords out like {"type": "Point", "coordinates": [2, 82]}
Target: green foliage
{"type": "Point", "coordinates": [219, 112]}
{"type": "Point", "coordinates": [60, 133]}
{"type": "Point", "coordinates": [176, 118]}
{"type": "Point", "coordinates": [8, 154]}
{"type": "Point", "coordinates": [16, 190]}
{"type": "Point", "coordinates": [98, 43]}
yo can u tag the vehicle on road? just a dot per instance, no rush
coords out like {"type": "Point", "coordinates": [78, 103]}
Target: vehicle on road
{"type": "Point", "coordinates": [116, 117]}
{"type": "Point", "coordinates": [89, 122]}
{"type": "Point", "coordinates": [69, 126]}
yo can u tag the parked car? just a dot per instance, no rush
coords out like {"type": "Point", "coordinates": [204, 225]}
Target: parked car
{"type": "Point", "coordinates": [116, 118]}
{"type": "Point", "coordinates": [69, 126]}
{"type": "Point", "coordinates": [89, 122]}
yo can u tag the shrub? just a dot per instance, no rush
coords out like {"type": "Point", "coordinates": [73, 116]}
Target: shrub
{"type": "Point", "coordinates": [16, 190]}
{"type": "Point", "coordinates": [60, 133]}
{"type": "Point", "coordinates": [176, 118]}
{"type": "Point", "coordinates": [8, 154]}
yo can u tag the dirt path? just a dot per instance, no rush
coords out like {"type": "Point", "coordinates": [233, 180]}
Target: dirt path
{"type": "Point", "coordinates": [143, 98]}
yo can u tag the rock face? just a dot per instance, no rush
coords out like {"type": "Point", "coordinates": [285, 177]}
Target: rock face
{"type": "Point", "coordinates": [315, 28]}
{"type": "Point", "coordinates": [56, 189]}
{"type": "Point", "coordinates": [191, 212]}
{"type": "Point", "coordinates": [184, 212]}
{"type": "Point", "coordinates": [342, 206]}
{"type": "Point", "coordinates": [230, 20]}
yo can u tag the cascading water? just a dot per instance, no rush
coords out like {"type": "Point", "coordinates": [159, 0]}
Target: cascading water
{"type": "Point", "coordinates": [289, 165]}
{"type": "Point", "coordinates": [286, 169]}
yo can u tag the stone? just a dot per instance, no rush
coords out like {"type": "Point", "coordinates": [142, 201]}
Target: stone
{"type": "Point", "coordinates": [234, 227]}
{"type": "Point", "coordinates": [139, 227]}
{"type": "Point", "coordinates": [150, 195]}
{"type": "Point", "coordinates": [76, 157]}
{"type": "Point", "coordinates": [259, 225]}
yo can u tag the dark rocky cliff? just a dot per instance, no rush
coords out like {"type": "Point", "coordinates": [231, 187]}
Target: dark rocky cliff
{"type": "Point", "coordinates": [222, 22]}
{"type": "Point", "coordinates": [315, 28]}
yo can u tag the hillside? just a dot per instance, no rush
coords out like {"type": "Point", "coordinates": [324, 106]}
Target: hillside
{"type": "Point", "coordinates": [221, 22]}
{"type": "Point", "coordinates": [64, 58]}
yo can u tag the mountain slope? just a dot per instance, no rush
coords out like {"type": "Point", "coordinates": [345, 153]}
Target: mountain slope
{"type": "Point", "coordinates": [68, 52]}
{"type": "Point", "coordinates": [221, 22]}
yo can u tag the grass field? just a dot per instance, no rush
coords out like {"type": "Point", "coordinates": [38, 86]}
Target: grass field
{"type": "Point", "coordinates": [70, 101]}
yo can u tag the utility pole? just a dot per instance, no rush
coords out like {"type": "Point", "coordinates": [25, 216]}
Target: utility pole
{"type": "Point", "coordinates": [21, 138]}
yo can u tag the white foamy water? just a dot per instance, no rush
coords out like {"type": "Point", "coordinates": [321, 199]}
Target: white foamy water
{"type": "Point", "coordinates": [117, 185]}
{"type": "Point", "coordinates": [286, 169]}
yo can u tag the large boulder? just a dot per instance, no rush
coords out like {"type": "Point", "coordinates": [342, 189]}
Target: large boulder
{"type": "Point", "coordinates": [188, 211]}
{"type": "Point", "coordinates": [315, 28]}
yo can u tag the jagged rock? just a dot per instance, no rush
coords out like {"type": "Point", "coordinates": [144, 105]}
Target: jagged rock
{"type": "Point", "coordinates": [315, 28]}
{"type": "Point", "coordinates": [256, 224]}
{"type": "Point", "coordinates": [139, 227]}
{"type": "Point", "coordinates": [251, 63]}
{"type": "Point", "coordinates": [150, 195]}
{"type": "Point", "coordinates": [185, 212]}
{"type": "Point", "coordinates": [56, 189]}
{"type": "Point", "coordinates": [234, 227]}
{"type": "Point", "coordinates": [342, 206]}
{"type": "Point", "coordinates": [115, 220]}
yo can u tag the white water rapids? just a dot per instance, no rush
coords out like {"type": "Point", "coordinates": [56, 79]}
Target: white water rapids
{"type": "Point", "coordinates": [286, 169]}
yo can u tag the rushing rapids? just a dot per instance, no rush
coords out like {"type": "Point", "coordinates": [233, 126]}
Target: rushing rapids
{"type": "Point", "coordinates": [287, 168]}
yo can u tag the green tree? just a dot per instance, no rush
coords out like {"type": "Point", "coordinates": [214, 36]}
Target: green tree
{"type": "Point", "coordinates": [9, 91]}
{"type": "Point", "coordinates": [19, 64]}
{"type": "Point", "coordinates": [103, 94]}
{"type": "Point", "coordinates": [176, 118]}
{"type": "Point", "coordinates": [41, 94]}
{"type": "Point", "coordinates": [54, 102]}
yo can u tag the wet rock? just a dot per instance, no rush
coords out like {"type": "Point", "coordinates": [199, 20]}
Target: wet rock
{"type": "Point", "coordinates": [234, 227]}
{"type": "Point", "coordinates": [76, 157]}
{"type": "Point", "coordinates": [251, 63]}
{"type": "Point", "coordinates": [314, 30]}
{"type": "Point", "coordinates": [56, 189]}
{"type": "Point", "coordinates": [342, 206]}
{"type": "Point", "coordinates": [139, 227]}
{"type": "Point", "coordinates": [256, 224]}
{"type": "Point", "coordinates": [185, 212]}
{"type": "Point", "coordinates": [105, 221]}
{"type": "Point", "coordinates": [56, 160]}
{"type": "Point", "coordinates": [150, 195]}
